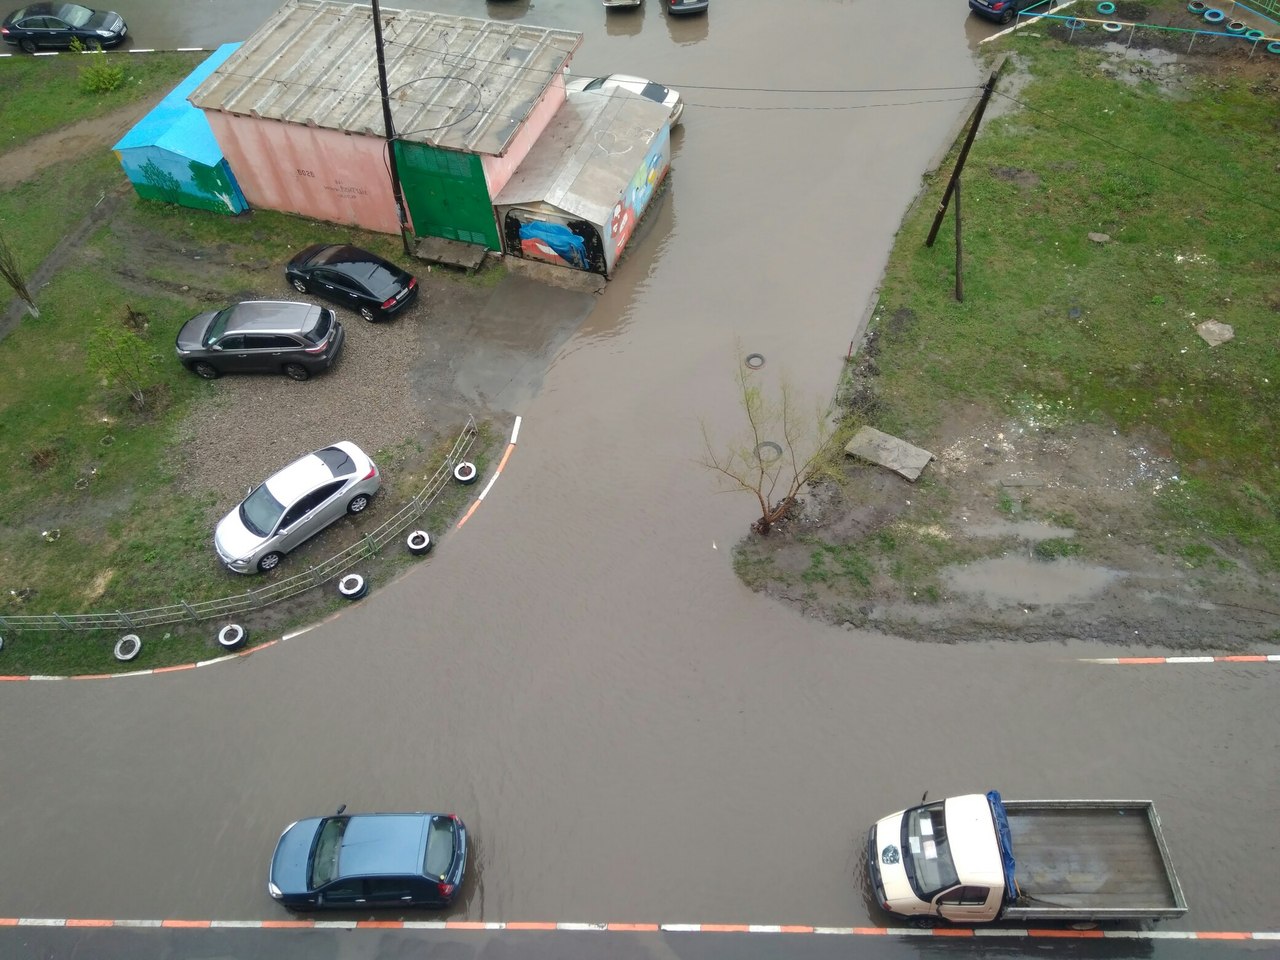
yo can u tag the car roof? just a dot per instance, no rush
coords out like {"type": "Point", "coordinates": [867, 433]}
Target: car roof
{"type": "Point", "coordinates": [272, 316]}
{"type": "Point", "coordinates": [343, 253]}
{"type": "Point", "coordinates": [311, 471]}
{"type": "Point", "coordinates": [384, 843]}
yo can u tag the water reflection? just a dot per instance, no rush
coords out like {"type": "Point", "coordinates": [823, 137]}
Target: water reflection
{"type": "Point", "coordinates": [506, 9]}
{"type": "Point", "coordinates": [623, 21]}
{"type": "Point", "coordinates": [686, 29]}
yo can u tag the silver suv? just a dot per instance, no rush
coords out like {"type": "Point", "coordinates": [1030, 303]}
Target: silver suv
{"type": "Point", "coordinates": [261, 336]}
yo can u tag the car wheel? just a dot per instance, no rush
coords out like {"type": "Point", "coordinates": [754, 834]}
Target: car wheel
{"type": "Point", "coordinates": [296, 371]}
{"type": "Point", "coordinates": [269, 562]}
{"type": "Point", "coordinates": [1007, 15]}
{"type": "Point", "coordinates": [299, 284]}
{"type": "Point", "coordinates": [368, 313]}
{"type": "Point", "coordinates": [358, 504]}
{"type": "Point", "coordinates": [205, 371]}
{"type": "Point", "coordinates": [27, 44]}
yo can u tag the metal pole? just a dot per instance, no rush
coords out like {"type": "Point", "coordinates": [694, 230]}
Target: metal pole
{"type": "Point", "coordinates": [391, 130]}
{"type": "Point", "coordinates": [964, 152]}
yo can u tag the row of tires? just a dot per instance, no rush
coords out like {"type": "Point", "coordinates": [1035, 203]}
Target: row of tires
{"type": "Point", "coordinates": [1236, 27]}
{"type": "Point", "coordinates": [351, 586]}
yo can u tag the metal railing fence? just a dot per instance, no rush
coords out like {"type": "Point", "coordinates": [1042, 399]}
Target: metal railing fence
{"type": "Point", "coordinates": [316, 575]}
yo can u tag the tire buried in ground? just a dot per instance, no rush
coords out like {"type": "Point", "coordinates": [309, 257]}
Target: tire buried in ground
{"type": "Point", "coordinates": [465, 472]}
{"type": "Point", "coordinates": [232, 636]}
{"type": "Point", "coordinates": [353, 586]}
{"type": "Point", "coordinates": [418, 542]}
{"type": "Point", "coordinates": [127, 647]}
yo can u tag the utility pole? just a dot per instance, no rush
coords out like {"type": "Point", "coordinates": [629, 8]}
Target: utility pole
{"type": "Point", "coordinates": [964, 151]}
{"type": "Point", "coordinates": [391, 131]}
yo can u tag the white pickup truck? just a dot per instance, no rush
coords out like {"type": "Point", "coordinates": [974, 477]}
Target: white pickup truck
{"type": "Point", "coordinates": [976, 858]}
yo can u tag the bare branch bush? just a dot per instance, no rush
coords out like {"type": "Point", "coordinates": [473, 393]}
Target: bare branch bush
{"type": "Point", "coordinates": [784, 447]}
{"type": "Point", "coordinates": [11, 272]}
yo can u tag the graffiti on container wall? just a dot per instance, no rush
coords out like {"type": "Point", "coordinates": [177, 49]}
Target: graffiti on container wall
{"type": "Point", "coordinates": [627, 211]}
{"type": "Point", "coordinates": [338, 187]}
{"type": "Point", "coordinates": [568, 243]}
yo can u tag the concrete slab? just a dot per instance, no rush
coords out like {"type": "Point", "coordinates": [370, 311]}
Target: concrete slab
{"type": "Point", "coordinates": [887, 451]}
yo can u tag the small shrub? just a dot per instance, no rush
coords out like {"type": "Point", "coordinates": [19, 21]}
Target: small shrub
{"type": "Point", "coordinates": [100, 75]}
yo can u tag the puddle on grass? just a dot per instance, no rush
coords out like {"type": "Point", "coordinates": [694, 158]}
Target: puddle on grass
{"type": "Point", "coordinates": [1016, 579]}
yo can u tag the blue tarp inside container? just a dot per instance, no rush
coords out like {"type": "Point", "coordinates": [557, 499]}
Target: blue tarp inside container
{"type": "Point", "coordinates": [171, 154]}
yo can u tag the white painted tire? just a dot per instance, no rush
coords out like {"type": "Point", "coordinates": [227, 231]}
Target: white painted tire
{"type": "Point", "coordinates": [353, 586]}
{"type": "Point", "coordinates": [418, 542]}
{"type": "Point", "coordinates": [232, 636]}
{"type": "Point", "coordinates": [465, 472]}
{"type": "Point", "coordinates": [128, 647]}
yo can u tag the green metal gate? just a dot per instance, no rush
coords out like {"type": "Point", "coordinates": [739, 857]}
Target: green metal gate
{"type": "Point", "coordinates": [446, 193]}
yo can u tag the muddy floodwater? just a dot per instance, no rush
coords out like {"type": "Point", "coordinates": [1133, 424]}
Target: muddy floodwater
{"type": "Point", "coordinates": [629, 733]}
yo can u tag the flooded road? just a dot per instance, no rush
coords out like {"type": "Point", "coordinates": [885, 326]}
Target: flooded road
{"type": "Point", "coordinates": [629, 733]}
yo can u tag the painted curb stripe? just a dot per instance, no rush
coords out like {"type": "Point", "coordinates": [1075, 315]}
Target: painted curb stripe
{"type": "Point", "coordinates": [1032, 933]}
{"type": "Point", "coordinates": [1232, 658]}
{"type": "Point", "coordinates": [511, 445]}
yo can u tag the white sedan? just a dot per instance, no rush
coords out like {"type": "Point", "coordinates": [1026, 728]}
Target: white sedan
{"type": "Point", "coordinates": [645, 88]}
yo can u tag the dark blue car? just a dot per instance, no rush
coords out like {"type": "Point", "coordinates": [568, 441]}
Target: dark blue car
{"type": "Point", "coordinates": [368, 860]}
{"type": "Point", "coordinates": [1002, 11]}
{"type": "Point", "coordinates": [59, 24]}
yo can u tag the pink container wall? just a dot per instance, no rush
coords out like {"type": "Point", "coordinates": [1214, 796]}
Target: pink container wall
{"type": "Point", "coordinates": [318, 173]}
{"type": "Point", "coordinates": [498, 170]}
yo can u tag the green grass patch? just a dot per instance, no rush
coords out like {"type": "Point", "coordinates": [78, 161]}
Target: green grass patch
{"type": "Point", "coordinates": [37, 213]}
{"type": "Point", "coordinates": [830, 563]}
{"type": "Point", "coordinates": [1065, 330]}
{"type": "Point", "coordinates": [45, 93]}
{"type": "Point", "coordinates": [1056, 548]}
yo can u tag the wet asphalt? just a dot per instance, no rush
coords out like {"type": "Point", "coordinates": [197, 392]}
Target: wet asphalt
{"type": "Point", "coordinates": [630, 734]}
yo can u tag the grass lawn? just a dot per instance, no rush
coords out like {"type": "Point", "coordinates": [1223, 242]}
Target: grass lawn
{"type": "Point", "coordinates": [1057, 327]}
{"type": "Point", "coordinates": [44, 93]}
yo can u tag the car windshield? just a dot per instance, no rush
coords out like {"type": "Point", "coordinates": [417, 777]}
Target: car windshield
{"type": "Point", "coordinates": [337, 460]}
{"type": "Point", "coordinates": [75, 14]}
{"type": "Point", "coordinates": [925, 851]}
{"type": "Point", "coordinates": [321, 330]}
{"type": "Point", "coordinates": [217, 327]}
{"type": "Point", "coordinates": [260, 511]}
{"type": "Point", "coordinates": [439, 855]}
{"type": "Point", "coordinates": [324, 856]}
{"type": "Point", "coordinates": [596, 84]}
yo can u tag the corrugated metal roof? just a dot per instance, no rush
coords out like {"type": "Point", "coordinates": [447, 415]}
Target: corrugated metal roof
{"type": "Point", "coordinates": [457, 82]}
{"type": "Point", "coordinates": [175, 125]}
{"type": "Point", "coordinates": [588, 154]}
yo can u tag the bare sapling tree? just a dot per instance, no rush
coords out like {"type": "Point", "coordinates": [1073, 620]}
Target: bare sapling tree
{"type": "Point", "coordinates": [12, 273]}
{"type": "Point", "coordinates": [784, 447]}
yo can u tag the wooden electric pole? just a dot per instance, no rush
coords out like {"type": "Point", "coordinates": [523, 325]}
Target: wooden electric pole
{"type": "Point", "coordinates": [390, 126]}
{"type": "Point", "coordinates": [987, 90]}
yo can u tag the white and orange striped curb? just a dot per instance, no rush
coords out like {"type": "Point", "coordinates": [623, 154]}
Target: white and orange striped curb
{"type": "Point", "coordinates": [511, 445]}
{"type": "Point", "coordinates": [489, 926]}
{"type": "Point", "coordinates": [1234, 658]}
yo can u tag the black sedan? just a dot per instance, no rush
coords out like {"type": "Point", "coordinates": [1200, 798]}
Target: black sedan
{"type": "Point", "coordinates": [352, 277]}
{"type": "Point", "coordinates": [58, 24]}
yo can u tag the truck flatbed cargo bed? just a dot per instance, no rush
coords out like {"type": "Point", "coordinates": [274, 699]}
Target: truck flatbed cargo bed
{"type": "Point", "coordinates": [1100, 858]}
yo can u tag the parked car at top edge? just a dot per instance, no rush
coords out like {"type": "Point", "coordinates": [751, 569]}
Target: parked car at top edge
{"type": "Point", "coordinates": [353, 278]}
{"type": "Point", "coordinates": [638, 85]}
{"type": "Point", "coordinates": [58, 24]}
{"type": "Point", "coordinates": [687, 6]}
{"type": "Point", "coordinates": [295, 504]}
{"type": "Point", "coordinates": [1002, 11]}
{"type": "Point", "coordinates": [261, 336]}
{"type": "Point", "coordinates": [623, 3]}
{"type": "Point", "coordinates": [369, 860]}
